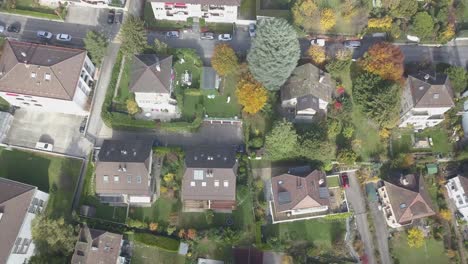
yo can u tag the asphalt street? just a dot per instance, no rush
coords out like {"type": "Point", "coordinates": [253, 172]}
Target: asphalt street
{"type": "Point", "coordinates": [382, 234]}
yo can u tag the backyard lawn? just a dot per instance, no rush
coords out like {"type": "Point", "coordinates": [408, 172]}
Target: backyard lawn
{"type": "Point", "coordinates": [124, 93]}
{"type": "Point", "coordinates": [159, 212]}
{"type": "Point", "coordinates": [30, 8]}
{"type": "Point", "coordinates": [431, 252]}
{"type": "Point", "coordinates": [333, 181]}
{"type": "Point", "coordinates": [54, 175]}
{"type": "Point", "coordinates": [440, 139]}
{"type": "Point", "coordinates": [143, 254]}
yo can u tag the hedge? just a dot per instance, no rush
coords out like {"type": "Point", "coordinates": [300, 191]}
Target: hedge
{"type": "Point", "coordinates": [166, 150]}
{"type": "Point", "coordinates": [339, 216]}
{"type": "Point", "coordinates": [165, 243]}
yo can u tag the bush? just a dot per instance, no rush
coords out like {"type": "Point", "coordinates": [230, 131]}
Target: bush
{"type": "Point", "coordinates": [256, 142]}
{"type": "Point", "coordinates": [165, 243]}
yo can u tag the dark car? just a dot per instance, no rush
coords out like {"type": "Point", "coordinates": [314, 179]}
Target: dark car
{"type": "Point", "coordinates": [344, 180]}
{"type": "Point", "coordinates": [83, 124]}
{"type": "Point", "coordinates": [15, 27]}
{"type": "Point", "coordinates": [207, 35]}
{"type": "Point", "coordinates": [111, 16]}
{"type": "Point", "coordinates": [118, 16]}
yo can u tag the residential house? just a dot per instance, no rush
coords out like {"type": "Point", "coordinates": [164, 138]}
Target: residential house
{"type": "Point", "coordinates": [405, 201]}
{"type": "Point", "coordinates": [19, 205]}
{"type": "Point", "coordinates": [151, 81]}
{"type": "Point", "coordinates": [224, 11]}
{"type": "Point", "coordinates": [97, 246]}
{"type": "Point", "coordinates": [47, 78]}
{"type": "Point", "coordinates": [209, 180]}
{"type": "Point", "coordinates": [425, 99]}
{"type": "Point", "coordinates": [123, 173]}
{"type": "Point", "coordinates": [299, 197]}
{"type": "Point", "coordinates": [456, 192]}
{"type": "Point", "coordinates": [307, 92]}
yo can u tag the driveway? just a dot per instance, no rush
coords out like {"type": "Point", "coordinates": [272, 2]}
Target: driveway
{"type": "Point", "coordinates": [357, 204]}
{"type": "Point", "coordinates": [382, 234]}
{"type": "Point", "coordinates": [61, 130]}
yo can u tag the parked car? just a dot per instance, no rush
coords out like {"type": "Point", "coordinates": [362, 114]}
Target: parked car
{"type": "Point", "coordinates": [118, 17]}
{"type": "Point", "coordinates": [344, 180]}
{"type": "Point", "coordinates": [44, 35]}
{"type": "Point", "coordinates": [207, 35]}
{"type": "Point", "coordinates": [353, 44]}
{"type": "Point", "coordinates": [63, 37]}
{"type": "Point", "coordinates": [44, 146]}
{"type": "Point", "coordinates": [111, 16]}
{"type": "Point", "coordinates": [2, 29]}
{"type": "Point", "coordinates": [318, 42]}
{"type": "Point", "coordinates": [252, 28]}
{"type": "Point", "coordinates": [225, 37]}
{"type": "Point", "coordinates": [172, 34]}
{"type": "Point", "coordinates": [83, 124]}
{"type": "Point", "coordinates": [15, 27]}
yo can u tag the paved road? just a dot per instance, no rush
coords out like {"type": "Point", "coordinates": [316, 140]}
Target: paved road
{"type": "Point", "coordinates": [356, 200]}
{"type": "Point", "coordinates": [455, 55]}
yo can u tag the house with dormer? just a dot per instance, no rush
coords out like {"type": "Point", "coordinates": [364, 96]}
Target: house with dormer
{"type": "Point", "coordinates": [425, 100]}
{"type": "Point", "coordinates": [209, 180]}
{"type": "Point", "coordinates": [123, 173]}
{"type": "Point", "coordinates": [457, 189]}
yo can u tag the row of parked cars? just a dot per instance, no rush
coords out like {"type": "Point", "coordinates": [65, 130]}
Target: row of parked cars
{"type": "Point", "coordinates": [352, 44]}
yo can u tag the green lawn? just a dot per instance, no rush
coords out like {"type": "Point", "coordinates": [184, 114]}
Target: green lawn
{"type": "Point", "coordinates": [440, 140]}
{"type": "Point", "coordinates": [402, 144]}
{"type": "Point", "coordinates": [333, 181]}
{"type": "Point", "coordinates": [318, 232]}
{"type": "Point", "coordinates": [143, 254]}
{"type": "Point", "coordinates": [368, 135]}
{"type": "Point", "coordinates": [54, 175]}
{"type": "Point", "coordinates": [124, 93]}
{"type": "Point", "coordinates": [191, 103]}
{"type": "Point", "coordinates": [29, 8]}
{"type": "Point", "coordinates": [159, 212]}
{"type": "Point", "coordinates": [248, 10]}
{"type": "Point", "coordinates": [431, 252]}
{"type": "Point", "coordinates": [218, 106]}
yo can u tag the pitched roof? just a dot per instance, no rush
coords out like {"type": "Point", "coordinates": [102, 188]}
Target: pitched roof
{"type": "Point", "coordinates": [124, 151]}
{"type": "Point", "coordinates": [39, 70]}
{"type": "Point", "coordinates": [296, 192]}
{"type": "Point", "coordinates": [464, 183]}
{"type": "Point", "coordinates": [210, 174]}
{"type": "Point", "coordinates": [409, 198]}
{"type": "Point", "coordinates": [151, 74]}
{"type": "Point", "coordinates": [96, 246]}
{"type": "Point", "coordinates": [305, 80]}
{"type": "Point", "coordinates": [15, 199]}
{"type": "Point", "coordinates": [428, 91]}
{"type": "Point", "coordinates": [207, 2]}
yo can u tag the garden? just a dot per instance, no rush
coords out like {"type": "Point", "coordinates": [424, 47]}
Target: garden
{"type": "Point", "coordinates": [431, 252]}
{"type": "Point", "coordinates": [33, 8]}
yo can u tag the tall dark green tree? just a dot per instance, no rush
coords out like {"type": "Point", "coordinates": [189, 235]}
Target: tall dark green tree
{"type": "Point", "coordinates": [53, 237]}
{"type": "Point", "coordinates": [96, 45]}
{"type": "Point", "coordinates": [274, 53]}
{"type": "Point", "coordinates": [379, 99]}
{"type": "Point", "coordinates": [422, 25]}
{"type": "Point", "coordinates": [458, 78]}
{"type": "Point", "coordinates": [133, 36]}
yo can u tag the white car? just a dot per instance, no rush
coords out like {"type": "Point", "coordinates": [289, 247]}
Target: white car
{"type": "Point", "coordinates": [44, 146]}
{"type": "Point", "coordinates": [225, 37]}
{"type": "Point", "coordinates": [252, 28]}
{"type": "Point", "coordinates": [64, 37]}
{"type": "Point", "coordinates": [2, 28]}
{"type": "Point", "coordinates": [318, 42]}
{"type": "Point", "coordinates": [44, 35]}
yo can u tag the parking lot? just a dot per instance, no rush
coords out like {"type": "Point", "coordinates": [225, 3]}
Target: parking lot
{"type": "Point", "coordinates": [60, 130]}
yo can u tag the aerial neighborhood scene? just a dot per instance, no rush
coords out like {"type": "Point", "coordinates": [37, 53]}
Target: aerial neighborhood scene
{"type": "Point", "coordinates": [234, 131]}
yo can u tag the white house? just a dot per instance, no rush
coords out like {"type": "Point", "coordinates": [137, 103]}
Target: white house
{"type": "Point", "coordinates": [151, 81]}
{"type": "Point", "coordinates": [211, 10]}
{"type": "Point", "coordinates": [46, 78]}
{"type": "Point", "coordinates": [456, 191]}
{"type": "Point", "coordinates": [425, 99]}
{"type": "Point", "coordinates": [19, 205]}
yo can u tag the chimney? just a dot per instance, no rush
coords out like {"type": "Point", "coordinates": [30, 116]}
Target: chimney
{"type": "Point", "coordinates": [123, 152]}
{"type": "Point", "coordinates": [124, 167]}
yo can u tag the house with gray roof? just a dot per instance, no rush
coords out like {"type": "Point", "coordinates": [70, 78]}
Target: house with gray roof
{"type": "Point", "coordinates": [19, 205]}
{"type": "Point", "coordinates": [209, 180]}
{"type": "Point", "coordinates": [405, 200]}
{"type": "Point", "coordinates": [151, 81]}
{"type": "Point", "coordinates": [425, 100]}
{"type": "Point", "coordinates": [46, 78]}
{"type": "Point", "coordinates": [123, 173]}
{"type": "Point", "coordinates": [299, 195]}
{"type": "Point", "coordinates": [97, 246]}
{"type": "Point", "coordinates": [307, 92]}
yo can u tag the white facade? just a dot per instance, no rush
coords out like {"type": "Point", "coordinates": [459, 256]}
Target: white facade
{"type": "Point", "coordinates": [387, 209]}
{"type": "Point", "coordinates": [156, 101]}
{"type": "Point", "coordinates": [457, 194]}
{"type": "Point", "coordinates": [420, 118]}
{"type": "Point", "coordinates": [182, 11]}
{"type": "Point", "coordinates": [25, 236]}
{"type": "Point", "coordinates": [77, 106]}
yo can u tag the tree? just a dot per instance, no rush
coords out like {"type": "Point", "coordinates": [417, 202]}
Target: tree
{"type": "Point", "coordinates": [132, 107]}
{"type": "Point", "coordinates": [385, 60]}
{"type": "Point", "coordinates": [224, 60]}
{"type": "Point", "coordinates": [348, 131]}
{"type": "Point", "coordinates": [405, 9]}
{"type": "Point", "coordinates": [53, 236]}
{"type": "Point", "coordinates": [317, 54]}
{"type": "Point", "coordinates": [422, 25]}
{"type": "Point", "coordinates": [133, 36]}
{"type": "Point", "coordinates": [303, 13]}
{"type": "Point", "coordinates": [378, 98]}
{"type": "Point", "coordinates": [160, 47]}
{"type": "Point", "coordinates": [181, 233]}
{"type": "Point", "coordinates": [96, 45]}
{"type": "Point", "coordinates": [274, 52]}
{"type": "Point", "coordinates": [415, 238]}
{"type": "Point", "coordinates": [209, 216]}
{"type": "Point", "coordinates": [251, 95]}
{"type": "Point", "coordinates": [347, 156]}
{"type": "Point", "coordinates": [458, 78]}
{"type": "Point", "coordinates": [447, 34]}
{"type": "Point", "coordinates": [445, 214]}
{"type": "Point", "coordinates": [384, 23]}
{"type": "Point", "coordinates": [153, 226]}
{"type": "Point", "coordinates": [281, 142]}
{"type": "Point", "coordinates": [169, 177]}
{"type": "Point", "coordinates": [327, 19]}
{"type": "Point", "coordinates": [316, 149]}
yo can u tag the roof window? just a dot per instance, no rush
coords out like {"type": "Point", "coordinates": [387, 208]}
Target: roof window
{"type": "Point", "coordinates": [33, 75]}
{"type": "Point", "coordinates": [192, 183]}
{"type": "Point", "coordinates": [47, 76]}
{"type": "Point", "coordinates": [226, 184]}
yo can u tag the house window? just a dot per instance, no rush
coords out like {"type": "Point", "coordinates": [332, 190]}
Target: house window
{"type": "Point", "coordinates": [129, 179]}
{"type": "Point", "coordinates": [105, 178]}
{"type": "Point", "coordinates": [47, 76]}
{"type": "Point", "coordinates": [116, 178]}
{"type": "Point", "coordinates": [226, 184]}
{"type": "Point", "coordinates": [216, 183]}
{"type": "Point", "coordinates": [138, 178]}
{"type": "Point", "coordinates": [38, 105]}
{"type": "Point", "coordinates": [192, 183]}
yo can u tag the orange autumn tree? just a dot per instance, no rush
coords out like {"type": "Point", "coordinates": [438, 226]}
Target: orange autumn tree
{"type": "Point", "coordinates": [224, 60]}
{"type": "Point", "coordinates": [251, 94]}
{"type": "Point", "coordinates": [385, 60]}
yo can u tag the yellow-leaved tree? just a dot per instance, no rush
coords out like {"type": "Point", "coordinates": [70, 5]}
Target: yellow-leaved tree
{"type": "Point", "coordinates": [251, 94]}
{"type": "Point", "coordinates": [445, 214]}
{"type": "Point", "coordinates": [132, 107]}
{"type": "Point", "coordinates": [224, 60]}
{"type": "Point", "coordinates": [415, 238]}
{"type": "Point", "coordinates": [384, 23]}
{"type": "Point", "coordinates": [327, 19]}
{"type": "Point", "coordinates": [317, 54]}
